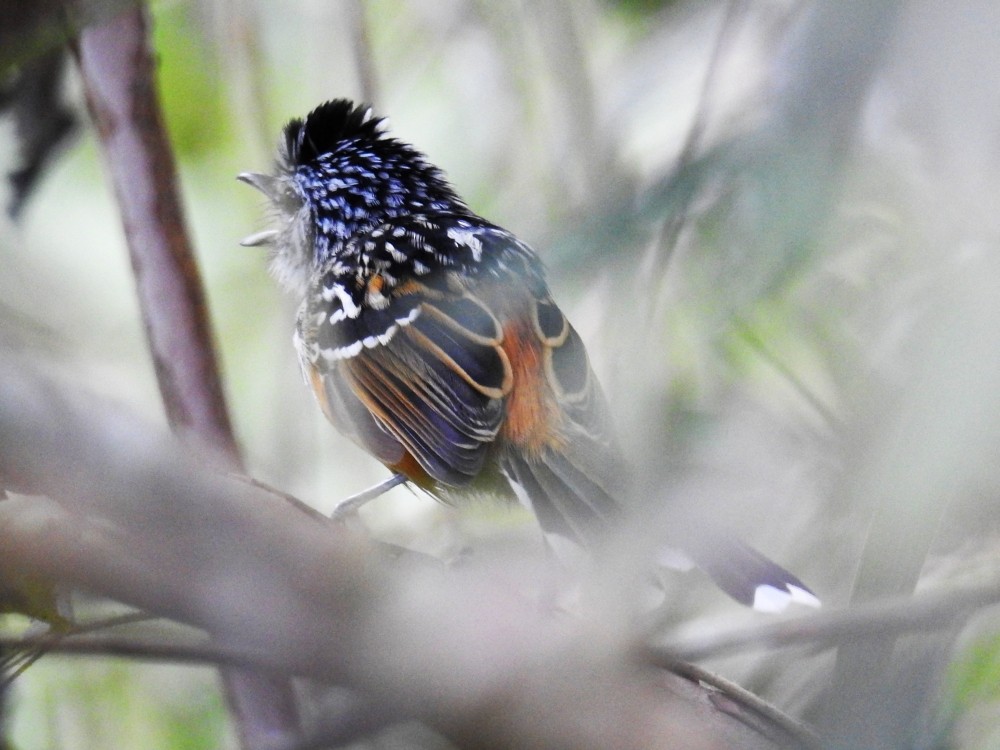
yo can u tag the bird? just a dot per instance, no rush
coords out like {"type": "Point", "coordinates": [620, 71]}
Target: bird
{"type": "Point", "coordinates": [430, 338]}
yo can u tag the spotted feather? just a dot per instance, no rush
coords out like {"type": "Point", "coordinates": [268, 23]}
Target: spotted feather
{"type": "Point", "coordinates": [431, 339]}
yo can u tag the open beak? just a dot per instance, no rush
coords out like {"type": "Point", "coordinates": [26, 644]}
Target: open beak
{"type": "Point", "coordinates": [266, 237]}
{"type": "Point", "coordinates": [269, 187]}
{"type": "Point", "coordinates": [265, 183]}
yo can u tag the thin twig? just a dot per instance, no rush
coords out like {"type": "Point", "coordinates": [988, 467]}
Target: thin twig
{"type": "Point", "coordinates": [386, 550]}
{"type": "Point", "coordinates": [288, 498]}
{"type": "Point", "coordinates": [364, 57]}
{"type": "Point", "coordinates": [206, 653]}
{"type": "Point", "coordinates": [18, 661]}
{"type": "Point", "coordinates": [564, 45]}
{"type": "Point", "coordinates": [926, 612]}
{"type": "Point", "coordinates": [802, 732]}
{"type": "Point", "coordinates": [37, 646]}
{"type": "Point", "coordinates": [671, 229]}
{"type": "Point", "coordinates": [755, 342]}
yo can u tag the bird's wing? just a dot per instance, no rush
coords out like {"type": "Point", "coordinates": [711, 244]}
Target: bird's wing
{"type": "Point", "coordinates": [408, 361]}
{"type": "Point", "coordinates": [437, 370]}
{"type": "Point", "coordinates": [561, 455]}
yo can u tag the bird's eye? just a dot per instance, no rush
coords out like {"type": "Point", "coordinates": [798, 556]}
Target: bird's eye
{"type": "Point", "coordinates": [287, 198]}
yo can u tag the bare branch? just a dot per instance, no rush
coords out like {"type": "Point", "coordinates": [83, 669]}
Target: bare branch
{"type": "Point", "coordinates": [467, 651]}
{"type": "Point", "coordinates": [670, 230]}
{"type": "Point", "coordinates": [116, 63]}
{"type": "Point", "coordinates": [926, 612]}
{"type": "Point", "coordinates": [364, 57]}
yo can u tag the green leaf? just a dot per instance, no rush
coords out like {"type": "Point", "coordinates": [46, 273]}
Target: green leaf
{"type": "Point", "coordinates": [191, 92]}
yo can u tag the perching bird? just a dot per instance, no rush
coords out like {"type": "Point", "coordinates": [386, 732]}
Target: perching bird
{"type": "Point", "coordinates": [430, 339]}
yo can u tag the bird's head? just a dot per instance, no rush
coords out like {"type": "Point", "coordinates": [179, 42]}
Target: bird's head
{"type": "Point", "coordinates": [339, 175]}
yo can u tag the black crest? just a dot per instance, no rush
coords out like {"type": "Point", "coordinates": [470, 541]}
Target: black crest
{"type": "Point", "coordinates": [327, 126]}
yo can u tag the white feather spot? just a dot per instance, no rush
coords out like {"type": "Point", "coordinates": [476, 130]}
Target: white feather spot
{"type": "Point", "coordinates": [468, 238]}
{"type": "Point", "coordinates": [382, 339]}
{"type": "Point", "coordinates": [409, 317]}
{"type": "Point", "coordinates": [801, 596]}
{"type": "Point", "coordinates": [350, 309]}
{"type": "Point", "coordinates": [341, 352]}
{"type": "Point", "coordinates": [674, 559]}
{"type": "Point", "coordinates": [519, 492]}
{"type": "Point", "coordinates": [394, 253]}
{"type": "Point", "coordinates": [767, 598]}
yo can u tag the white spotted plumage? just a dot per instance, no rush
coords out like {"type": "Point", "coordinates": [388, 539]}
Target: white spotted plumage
{"type": "Point", "coordinates": [414, 311]}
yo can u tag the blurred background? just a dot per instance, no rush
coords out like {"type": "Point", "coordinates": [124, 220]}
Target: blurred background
{"type": "Point", "coordinates": [773, 222]}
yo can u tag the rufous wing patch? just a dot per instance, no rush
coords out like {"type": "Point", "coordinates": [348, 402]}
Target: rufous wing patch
{"type": "Point", "coordinates": [532, 417]}
{"type": "Point", "coordinates": [319, 389]}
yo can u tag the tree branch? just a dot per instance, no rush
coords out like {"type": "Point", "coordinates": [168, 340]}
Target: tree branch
{"type": "Point", "coordinates": [467, 651]}
{"type": "Point", "coordinates": [877, 620]}
{"type": "Point", "coordinates": [116, 64]}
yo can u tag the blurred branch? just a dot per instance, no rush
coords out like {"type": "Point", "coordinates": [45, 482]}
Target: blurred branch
{"type": "Point", "coordinates": [201, 653]}
{"type": "Point", "coordinates": [133, 518]}
{"type": "Point", "coordinates": [751, 337]}
{"type": "Point", "coordinates": [116, 64]}
{"type": "Point", "coordinates": [803, 733]}
{"type": "Point", "coordinates": [242, 55]}
{"type": "Point", "coordinates": [584, 138]}
{"type": "Point", "coordinates": [673, 223]}
{"type": "Point", "coordinates": [875, 620]}
{"type": "Point", "coordinates": [364, 56]}
{"type": "Point", "coordinates": [32, 28]}
{"type": "Point", "coordinates": [771, 188]}
{"type": "Point", "coordinates": [117, 67]}
{"type": "Point", "coordinates": [926, 442]}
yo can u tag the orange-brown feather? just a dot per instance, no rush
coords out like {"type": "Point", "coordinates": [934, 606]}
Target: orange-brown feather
{"type": "Point", "coordinates": [319, 389]}
{"type": "Point", "coordinates": [409, 467]}
{"type": "Point", "coordinates": [532, 415]}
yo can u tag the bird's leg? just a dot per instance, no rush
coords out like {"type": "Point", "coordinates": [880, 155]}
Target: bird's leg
{"type": "Point", "coordinates": [351, 504]}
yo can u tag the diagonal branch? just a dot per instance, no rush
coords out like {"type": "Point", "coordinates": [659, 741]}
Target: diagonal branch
{"type": "Point", "coordinates": [116, 63]}
{"type": "Point", "coordinates": [130, 516]}
{"type": "Point", "coordinates": [871, 621]}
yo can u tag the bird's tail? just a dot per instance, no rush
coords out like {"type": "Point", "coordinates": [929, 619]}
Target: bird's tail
{"type": "Point", "coordinates": [573, 503]}
{"type": "Point", "coordinates": [744, 573]}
